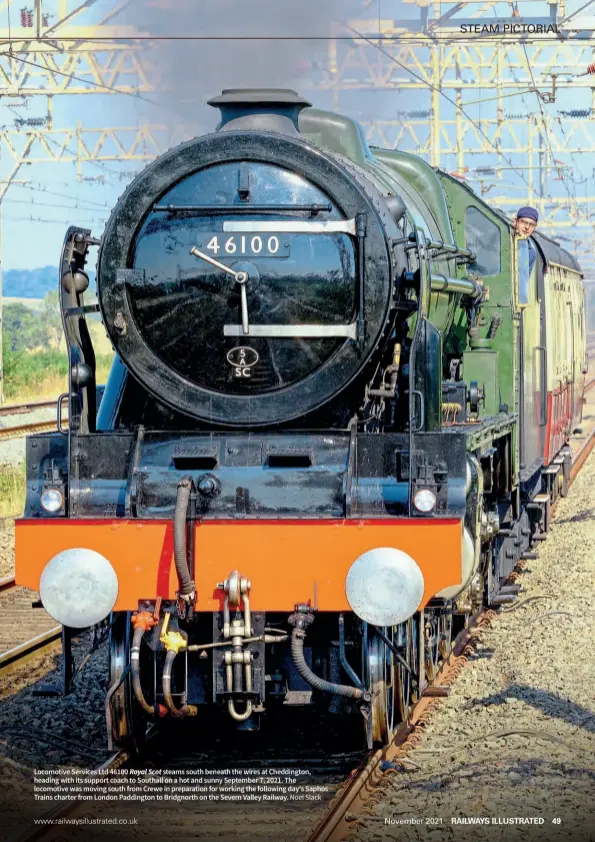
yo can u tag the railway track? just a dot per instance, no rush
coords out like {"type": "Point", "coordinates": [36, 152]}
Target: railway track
{"type": "Point", "coordinates": [25, 632]}
{"type": "Point", "coordinates": [331, 821]}
{"type": "Point", "coordinates": [356, 793]}
{"type": "Point", "coordinates": [353, 796]}
{"type": "Point", "coordinates": [24, 428]}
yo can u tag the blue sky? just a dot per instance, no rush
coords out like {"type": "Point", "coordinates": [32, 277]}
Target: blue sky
{"type": "Point", "coordinates": [36, 214]}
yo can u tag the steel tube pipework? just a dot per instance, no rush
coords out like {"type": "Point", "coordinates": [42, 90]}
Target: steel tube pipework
{"type": "Point", "coordinates": [442, 283]}
{"type": "Point", "coordinates": [438, 245]}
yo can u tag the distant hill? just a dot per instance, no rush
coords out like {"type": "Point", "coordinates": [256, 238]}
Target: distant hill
{"type": "Point", "coordinates": [33, 283]}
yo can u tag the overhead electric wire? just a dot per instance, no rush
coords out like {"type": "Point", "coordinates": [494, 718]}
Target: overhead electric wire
{"type": "Point", "coordinates": [575, 13]}
{"type": "Point", "coordinates": [90, 220]}
{"type": "Point", "coordinates": [94, 84]}
{"type": "Point", "coordinates": [535, 90]}
{"type": "Point", "coordinates": [499, 96]}
{"type": "Point", "coordinates": [441, 92]}
{"type": "Point", "coordinates": [359, 35]}
{"type": "Point", "coordinates": [33, 204]}
{"type": "Point", "coordinates": [578, 167]}
{"type": "Point", "coordinates": [41, 189]}
{"type": "Point", "coordinates": [544, 124]}
{"type": "Point", "coordinates": [422, 39]}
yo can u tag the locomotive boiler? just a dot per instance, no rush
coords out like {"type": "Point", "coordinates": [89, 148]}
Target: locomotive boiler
{"type": "Point", "coordinates": [336, 420]}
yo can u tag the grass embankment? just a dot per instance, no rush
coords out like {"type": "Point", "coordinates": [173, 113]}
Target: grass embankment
{"type": "Point", "coordinates": [36, 368]}
{"type": "Point", "coordinates": [12, 489]}
{"type": "Point", "coordinates": [42, 374]}
{"type": "Point", "coordinates": [34, 349]}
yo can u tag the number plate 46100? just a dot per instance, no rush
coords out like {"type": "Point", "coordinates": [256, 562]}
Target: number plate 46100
{"type": "Point", "coordinates": [244, 245]}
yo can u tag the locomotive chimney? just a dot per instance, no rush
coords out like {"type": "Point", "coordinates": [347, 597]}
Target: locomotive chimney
{"type": "Point", "coordinates": [259, 109]}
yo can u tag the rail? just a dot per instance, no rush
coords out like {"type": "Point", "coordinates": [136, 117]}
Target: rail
{"type": "Point", "coordinates": [25, 428]}
{"type": "Point", "coordinates": [20, 430]}
{"type": "Point", "coordinates": [30, 406]}
{"type": "Point", "coordinates": [351, 800]}
{"type": "Point", "coordinates": [22, 652]}
{"type": "Point", "coordinates": [7, 583]}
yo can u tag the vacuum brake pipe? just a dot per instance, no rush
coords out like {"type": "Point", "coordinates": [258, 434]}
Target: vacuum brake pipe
{"type": "Point", "coordinates": [173, 642]}
{"type": "Point", "coordinates": [142, 622]}
{"type": "Point", "coordinates": [300, 621]}
{"type": "Point", "coordinates": [185, 710]}
{"type": "Point", "coordinates": [187, 586]}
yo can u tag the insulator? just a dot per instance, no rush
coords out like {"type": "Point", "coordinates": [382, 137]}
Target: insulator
{"type": "Point", "coordinates": [30, 121]}
{"type": "Point", "coordinates": [45, 20]}
{"type": "Point", "coordinates": [485, 170]}
{"type": "Point", "coordinates": [515, 115]}
{"type": "Point", "coordinates": [591, 69]}
{"type": "Point", "coordinates": [413, 114]}
{"type": "Point", "coordinates": [23, 17]}
{"type": "Point", "coordinates": [576, 112]}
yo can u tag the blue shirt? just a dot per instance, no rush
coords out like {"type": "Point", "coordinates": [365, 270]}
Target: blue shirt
{"type": "Point", "coordinates": [532, 256]}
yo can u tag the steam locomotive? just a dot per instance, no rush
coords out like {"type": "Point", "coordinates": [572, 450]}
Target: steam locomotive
{"type": "Point", "coordinates": [337, 419]}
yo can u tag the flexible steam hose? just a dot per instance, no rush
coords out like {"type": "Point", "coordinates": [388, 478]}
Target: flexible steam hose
{"type": "Point", "coordinates": [187, 586]}
{"type": "Point", "coordinates": [297, 651]}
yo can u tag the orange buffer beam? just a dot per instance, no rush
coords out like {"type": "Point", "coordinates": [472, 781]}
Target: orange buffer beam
{"type": "Point", "coordinates": [283, 559]}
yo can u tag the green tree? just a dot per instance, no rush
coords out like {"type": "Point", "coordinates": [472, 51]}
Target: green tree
{"type": "Point", "coordinates": [24, 327]}
{"type": "Point", "coordinates": [52, 318]}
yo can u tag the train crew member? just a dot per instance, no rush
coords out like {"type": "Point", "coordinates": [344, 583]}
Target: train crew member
{"type": "Point", "coordinates": [524, 225]}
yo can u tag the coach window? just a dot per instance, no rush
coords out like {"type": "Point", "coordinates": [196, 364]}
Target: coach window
{"type": "Point", "coordinates": [482, 236]}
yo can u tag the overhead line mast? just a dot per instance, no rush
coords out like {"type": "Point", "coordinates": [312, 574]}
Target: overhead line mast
{"type": "Point", "coordinates": [65, 48]}
{"type": "Point", "coordinates": [482, 98]}
{"type": "Point", "coordinates": [55, 47]}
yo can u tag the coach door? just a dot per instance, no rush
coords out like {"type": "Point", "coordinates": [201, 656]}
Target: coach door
{"type": "Point", "coordinates": [530, 304]}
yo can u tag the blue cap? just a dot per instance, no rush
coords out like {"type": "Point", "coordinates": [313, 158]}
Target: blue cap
{"type": "Point", "coordinates": [527, 213]}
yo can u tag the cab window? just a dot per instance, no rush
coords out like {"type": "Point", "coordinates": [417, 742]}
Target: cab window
{"type": "Point", "coordinates": [482, 236]}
